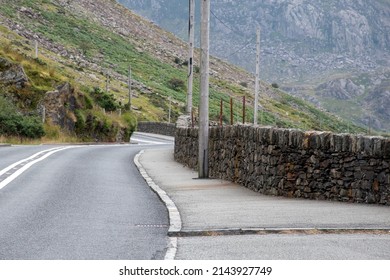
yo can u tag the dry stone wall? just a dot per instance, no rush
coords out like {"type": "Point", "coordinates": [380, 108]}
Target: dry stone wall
{"type": "Point", "coordinates": [157, 128]}
{"type": "Point", "coordinates": [293, 163]}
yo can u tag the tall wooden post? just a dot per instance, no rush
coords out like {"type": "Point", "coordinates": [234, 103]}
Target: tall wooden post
{"type": "Point", "coordinates": [170, 109]}
{"type": "Point", "coordinates": [231, 111]}
{"type": "Point", "coordinates": [129, 82]}
{"type": "Point", "coordinates": [191, 38]}
{"type": "Point", "coordinates": [203, 161]}
{"type": "Point", "coordinates": [107, 82]}
{"type": "Point", "coordinates": [257, 79]}
{"type": "Point", "coordinates": [221, 114]}
{"type": "Point", "coordinates": [243, 109]}
{"type": "Point", "coordinates": [36, 49]}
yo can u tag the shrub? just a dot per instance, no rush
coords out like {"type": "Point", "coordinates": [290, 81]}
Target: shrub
{"type": "Point", "coordinates": [275, 85]}
{"type": "Point", "coordinates": [177, 60]}
{"type": "Point", "coordinates": [176, 84]}
{"type": "Point", "coordinates": [131, 124]}
{"type": "Point", "coordinates": [244, 84]}
{"type": "Point", "coordinates": [105, 100]}
{"type": "Point", "coordinates": [12, 123]}
{"type": "Point", "coordinates": [31, 127]}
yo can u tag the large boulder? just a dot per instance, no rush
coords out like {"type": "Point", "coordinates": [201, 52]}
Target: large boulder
{"type": "Point", "coordinates": [60, 106]}
{"type": "Point", "coordinates": [12, 74]}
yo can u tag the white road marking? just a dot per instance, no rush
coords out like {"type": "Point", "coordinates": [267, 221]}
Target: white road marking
{"type": "Point", "coordinates": [24, 160]}
{"type": "Point", "coordinates": [29, 163]}
{"type": "Point", "coordinates": [173, 212]}
{"type": "Point", "coordinates": [146, 142]}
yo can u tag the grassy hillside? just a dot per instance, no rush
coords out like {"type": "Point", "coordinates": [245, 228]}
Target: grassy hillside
{"type": "Point", "coordinates": [82, 42]}
{"type": "Point", "coordinates": [20, 118]}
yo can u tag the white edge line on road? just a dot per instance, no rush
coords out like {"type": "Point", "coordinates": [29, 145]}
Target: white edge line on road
{"type": "Point", "coordinates": [147, 142]}
{"type": "Point", "coordinates": [173, 212]}
{"type": "Point", "coordinates": [28, 165]}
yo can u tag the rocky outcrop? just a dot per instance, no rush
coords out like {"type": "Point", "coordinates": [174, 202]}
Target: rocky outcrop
{"type": "Point", "coordinates": [12, 74]}
{"type": "Point", "coordinates": [341, 89]}
{"type": "Point", "coordinates": [60, 106]}
{"type": "Point", "coordinates": [65, 108]}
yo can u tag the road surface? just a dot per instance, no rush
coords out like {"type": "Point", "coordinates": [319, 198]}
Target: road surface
{"type": "Point", "coordinates": [79, 202]}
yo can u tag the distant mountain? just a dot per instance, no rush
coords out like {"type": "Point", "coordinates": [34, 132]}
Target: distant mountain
{"type": "Point", "coordinates": [334, 53]}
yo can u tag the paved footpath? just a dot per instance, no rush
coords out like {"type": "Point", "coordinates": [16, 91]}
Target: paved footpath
{"type": "Point", "coordinates": [222, 220]}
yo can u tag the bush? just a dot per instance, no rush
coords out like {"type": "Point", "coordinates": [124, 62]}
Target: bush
{"type": "Point", "coordinates": [176, 84]}
{"type": "Point", "coordinates": [13, 123]}
{"type": "Point", "coordinates": [105, 100]}
{"type": "Point", "coordinates": [177, 60]}
{"type": "Point", "coordinates": [131, 124]}
{"type": "Point", "coordinates": [31, 128]}
{"type": "Point", "coordinates": [275, 85]}
{"type": "Point", "coordinates": [244, 84]}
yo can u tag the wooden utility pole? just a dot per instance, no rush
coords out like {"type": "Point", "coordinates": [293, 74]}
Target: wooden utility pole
{"type": "Point", "coordinates": [203, 162]}
{"type": "Point", "coordinates": [221, 114]}
{"type": "Point", "coordinates": [191, 37]}
{"type": "Point", "coordinates": [129, 82]}
{"type": "Point", "coordinates": [107, 82]}
{"type": "Point", "coordinates": [170, 110]}
{"type": "Point", "coordinates": [369, 125]}
{"type": "Point", "coordinates": [257, 79]}
{"type": "Point", "coordinates": [243, 109]}
{"type": "Point", "coordinates": [231, 111]}
{"type": "Point", "coordinates": [36, 49]}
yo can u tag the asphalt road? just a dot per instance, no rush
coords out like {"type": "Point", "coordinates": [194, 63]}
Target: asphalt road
{"type": "Point", "coordinates": [86, 202]}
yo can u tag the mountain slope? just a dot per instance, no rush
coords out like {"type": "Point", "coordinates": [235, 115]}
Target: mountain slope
{"type": "Point", "coordinates": [308, 46]}
{"type": "Point", "coordinates": [88, 40]}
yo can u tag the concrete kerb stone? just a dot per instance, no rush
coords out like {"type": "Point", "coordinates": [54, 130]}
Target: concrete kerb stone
{"type": "Point", "coordinates": [175, 223]}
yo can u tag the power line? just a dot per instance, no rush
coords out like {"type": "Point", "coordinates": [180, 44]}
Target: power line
{"type": "Point", "coordinates": [228, 27]}
{"type": "Point", "coordinates": [248, 42]}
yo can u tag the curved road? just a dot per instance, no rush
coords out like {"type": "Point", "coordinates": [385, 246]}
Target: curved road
{"type": "Point", "coordinates": [81, 202]}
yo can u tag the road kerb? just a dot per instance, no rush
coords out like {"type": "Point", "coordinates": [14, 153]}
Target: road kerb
{"type": "Point", "coordinates": [175, 223]}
